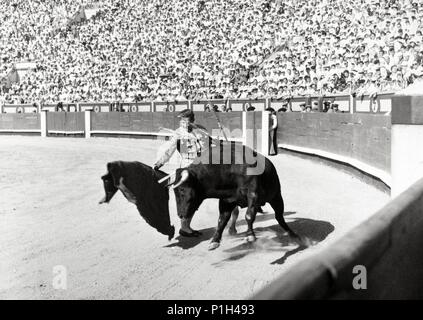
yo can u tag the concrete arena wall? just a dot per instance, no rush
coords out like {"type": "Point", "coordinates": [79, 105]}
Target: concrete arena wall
{"type": "Point", "coordinates": [361, 140]}
{"type": "Point", "coordinates": [388, 245]}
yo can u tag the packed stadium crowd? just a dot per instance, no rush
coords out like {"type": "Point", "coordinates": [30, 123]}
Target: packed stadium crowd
{"type": "Point", "coordinates": [139, 50]}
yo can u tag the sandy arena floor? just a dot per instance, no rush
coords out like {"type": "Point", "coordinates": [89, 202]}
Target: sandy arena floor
{"type": "Point", "coordinates": [49, 216]}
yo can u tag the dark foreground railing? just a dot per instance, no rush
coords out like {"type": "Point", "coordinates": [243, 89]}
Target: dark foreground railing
{"type": "Point", "coordinates": [379, 259]}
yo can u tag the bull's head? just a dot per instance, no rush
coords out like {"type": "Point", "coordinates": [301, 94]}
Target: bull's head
{"type": "Point", "coordinates": [109, 186]}
{"type": "Point", "coordinates": [187, 193]}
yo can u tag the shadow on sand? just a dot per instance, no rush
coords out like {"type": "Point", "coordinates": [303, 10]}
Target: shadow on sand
{"type": "Point", "coordinates": [273, 238]}
{"type": "Point", "coordinates": [269, 238]}
{"type": "Point", "coordinates": [207, 234]}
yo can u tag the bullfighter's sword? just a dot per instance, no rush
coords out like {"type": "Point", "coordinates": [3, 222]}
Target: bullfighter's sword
{"type": "Point", "coordinates": [220, 125]}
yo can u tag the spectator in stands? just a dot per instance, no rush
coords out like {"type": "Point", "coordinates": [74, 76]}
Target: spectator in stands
{"type": "Point", "coordinates": [180, 49]}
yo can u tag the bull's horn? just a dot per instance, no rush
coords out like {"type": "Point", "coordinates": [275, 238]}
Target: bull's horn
{"type": "Point", "coordinates": [184, 177]}
{"type": "Point", "coordinates": [167, 177]}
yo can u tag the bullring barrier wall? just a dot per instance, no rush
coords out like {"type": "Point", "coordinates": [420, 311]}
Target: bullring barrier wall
{"type": "Point", "coordinates": [130, 124]}
{"type": "Point", "coordinates": [65, 122]}
{"type": "Point", "coordinates": [21, 122]}
{"type": "Point", "coordinates": [360, 140]}
{"type": "Point", "coordinates": [153, 123]}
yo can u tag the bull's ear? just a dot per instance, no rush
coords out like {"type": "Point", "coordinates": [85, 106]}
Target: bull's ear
{"type": "Point", "coordinates": [114, 169]}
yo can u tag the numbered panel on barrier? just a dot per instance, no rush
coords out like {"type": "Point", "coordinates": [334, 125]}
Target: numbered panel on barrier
{"type": "Point", "coordinates": [136, 106]}
{"type": "Point", "coordinates": [50, 107]}
{"type": "Point", "coordinates": [95, 107]}
{"type": "Point", "coordinates": [246, 104]}
{"type": "Point", "coordinates": [170, 106]}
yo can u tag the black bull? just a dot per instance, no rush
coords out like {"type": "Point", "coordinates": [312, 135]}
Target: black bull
{"type": "Point", "coordinates": [237, 176]}
{"type": "Point", "coordinates": [234, 174]}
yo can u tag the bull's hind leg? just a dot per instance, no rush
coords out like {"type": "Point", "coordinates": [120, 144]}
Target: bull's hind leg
{"type": "Point", "coordinates": [225, 210]}
{"type": "Point", "coordinates": [234, 217]}
{"type": "Point", "coordinates": [278, 206]}
{"type": "Point", "coordinates": [250, 216]}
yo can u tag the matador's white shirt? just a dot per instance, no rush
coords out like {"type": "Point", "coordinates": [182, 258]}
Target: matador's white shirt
{"type": "Point", "coordinates": [189, 145]}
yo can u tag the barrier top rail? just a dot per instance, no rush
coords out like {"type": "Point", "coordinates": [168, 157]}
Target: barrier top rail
{"type": "Point", "coordinates": [347, 103]}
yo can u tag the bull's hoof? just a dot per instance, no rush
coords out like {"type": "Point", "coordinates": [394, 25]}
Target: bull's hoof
{"type": "Point", "coordinates": [232, 231]}
{"type": "Point", "coordinates": [214, 245]}
{"type": "Point", "coordinates": [251, 238]}
{"type": "Point", "coordinates": [104, 200]}
{"type": "Point", "coordinates": [304, 242]}
{"type": "Point", "coordinates": [192, 234]}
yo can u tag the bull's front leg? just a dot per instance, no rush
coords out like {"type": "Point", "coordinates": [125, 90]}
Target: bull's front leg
{"type": "Point", "coordinates": [234, 216]}
{"type": "Point", "coordinates": [250, 216]}
{"type": "Point", "coordinates": [225, 210]}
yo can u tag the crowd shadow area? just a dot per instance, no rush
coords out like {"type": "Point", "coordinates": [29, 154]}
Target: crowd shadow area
{"type": "Point", "coordinates": [269, 238]}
